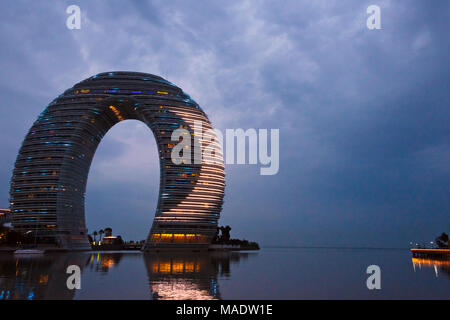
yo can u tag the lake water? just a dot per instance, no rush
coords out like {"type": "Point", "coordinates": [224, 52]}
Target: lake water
{"type": "Point", "coordinates": [271, 273]}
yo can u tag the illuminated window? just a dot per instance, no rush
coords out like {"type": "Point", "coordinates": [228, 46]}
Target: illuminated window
{"type": "Point", "coordinates": [117, 113]}
{"type": "Point", "coordinates": [190, 238]}
{"type": "Point", "coordinates": [189, 267]}
{"type": "Point", "coordinates": [166, 237]}
{"type": "Point", "coordinates": [164, 267]}
{"type": "Point", "coordinates": [177, 267]}
{"type": "Point", "coordinates": [156, 237]}
{"type": "Point", "coordinates": [202, 238]}
{"type": "Point", "coordinates": [178, 238]}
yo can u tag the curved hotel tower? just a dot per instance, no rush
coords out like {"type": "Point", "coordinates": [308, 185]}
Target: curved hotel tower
{"type": "Point", "coordinates": [49, 179]}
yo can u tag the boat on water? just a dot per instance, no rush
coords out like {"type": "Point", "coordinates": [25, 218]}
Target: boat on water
{"type": "Point", "coordinates": [438, 253]}
{"type": "Point", "coordinates": [29, 251]}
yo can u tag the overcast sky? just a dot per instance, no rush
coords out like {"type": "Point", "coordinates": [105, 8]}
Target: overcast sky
{"type": "Point", "coordinates": [363, 114]}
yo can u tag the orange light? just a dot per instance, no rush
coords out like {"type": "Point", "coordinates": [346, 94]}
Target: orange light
{"type": "Point", "coordinates": [43, 278]}
{"type": "Point", "coordinates": [117, 113]}
{"type": "Point", "coordinates": [430, 262]}
{"type": "Point", "coordinates": [431, 250]}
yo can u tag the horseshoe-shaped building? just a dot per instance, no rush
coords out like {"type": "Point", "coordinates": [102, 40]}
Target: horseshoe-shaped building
{"type": "Point", "coordinates": [49, 179]}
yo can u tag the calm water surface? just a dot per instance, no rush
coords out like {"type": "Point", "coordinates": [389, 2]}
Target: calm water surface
{"type": "Point", "coordinates": [272, 273]}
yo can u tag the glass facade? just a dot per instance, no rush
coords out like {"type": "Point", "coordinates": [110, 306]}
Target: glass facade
{"type": "Point", "coordinates": [49, 179]}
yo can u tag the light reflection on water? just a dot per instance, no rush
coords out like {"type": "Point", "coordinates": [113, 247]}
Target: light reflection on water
{"type": "Point", "coordinates": [272, 273]}
{"type": "Point", "coordinates": [440, 267]}
{"type": "Point", "coordinates": [37, 277]}
{"type": "Point", "coordinates": [173, 276]}
{"type": "Point", "coordinates": [184, 276]}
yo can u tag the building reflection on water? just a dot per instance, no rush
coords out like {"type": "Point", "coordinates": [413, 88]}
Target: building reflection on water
{"type": "Point", "coordinates": [440, 266]}
{"type": "Point", "coordinates": [104, 261]}
{"type": "Point", "coordinates": [170, 275]}
{"type": "Point", "coordinates": [37, 277]}
{"type": "Point", "coordinates": [188, 276]}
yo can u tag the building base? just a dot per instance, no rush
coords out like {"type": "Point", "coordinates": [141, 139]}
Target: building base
{"type": "Point", "coordinates": [74, 243]}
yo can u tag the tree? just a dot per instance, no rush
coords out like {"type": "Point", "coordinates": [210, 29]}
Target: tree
{"type": "Point", "coordinates": [95, 236]}
{"type": "Point", "coordinates": [226, 233]}
{"type": "Point", "coordinates": [442, 240]}
{"type": "Point", "coordinates": [101, 232]}
{"type": "Point", "coordinates": [220, 237]}
{"type": "Point", "coordinates": [119, 240]}
{"type": "Point", "coordinates": [216, 236]}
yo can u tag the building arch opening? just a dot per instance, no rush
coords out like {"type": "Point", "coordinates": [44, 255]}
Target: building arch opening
{"type": "Point", "coordinates": [123, 182]}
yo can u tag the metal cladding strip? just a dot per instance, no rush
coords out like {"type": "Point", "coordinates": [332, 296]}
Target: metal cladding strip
{"type": "Point", "coordinates": [49, 179]}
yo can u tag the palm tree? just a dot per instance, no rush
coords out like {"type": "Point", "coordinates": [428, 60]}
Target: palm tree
{"type": "Point", "coordinates": [95, 236]}
{"type": "Point", "coordinates": [226, 233]}
{"type": "Point", "coordinates": [442, 240]}
{"type": "Point", "coordinates": [216, 236]}
{"type": "Point", "coordinates": [108, 232]}
{"type": "Point", "coordinates": [101, 232]}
